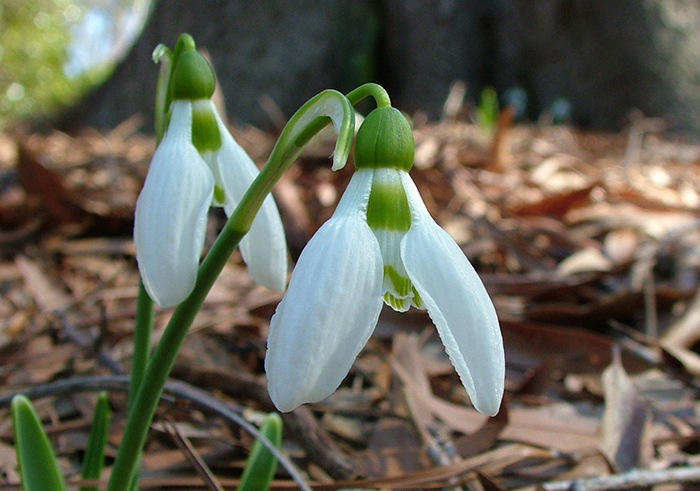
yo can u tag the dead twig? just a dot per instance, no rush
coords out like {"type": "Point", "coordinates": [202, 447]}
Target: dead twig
{"type": "Point", "coordinates": [192, 456]}
{"type": "Point", "coordinates": [635, 478]}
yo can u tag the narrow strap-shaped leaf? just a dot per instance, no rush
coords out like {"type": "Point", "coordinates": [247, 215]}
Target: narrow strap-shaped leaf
{"type": "Point", "coordinates": [261, 465]}
{"type": "Point", "coordinates": [95, 451]}
{"type": "Point", "coordinates": [38, 468]}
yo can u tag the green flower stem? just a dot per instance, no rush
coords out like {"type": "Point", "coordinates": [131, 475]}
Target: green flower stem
{"type": "Point", "coordinates": [142, 340]}
{"type": "Point", "coordinates": [370, 90]}
{"type": "Point", "coordinates": [144, 405]}
{"type": "Point", "coordinates": [143, 325]}
{"type": "Point", "coordinates": [313, 114]}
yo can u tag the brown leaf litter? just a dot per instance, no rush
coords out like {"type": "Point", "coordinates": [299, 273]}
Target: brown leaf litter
{"type": "Point", "coordinates": [588, 243]}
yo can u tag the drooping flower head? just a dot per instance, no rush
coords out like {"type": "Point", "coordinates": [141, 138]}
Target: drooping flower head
{"type": "Point", "coordinates": [380, 245]}
{"type": "Point", "coordinates": [198, 164]}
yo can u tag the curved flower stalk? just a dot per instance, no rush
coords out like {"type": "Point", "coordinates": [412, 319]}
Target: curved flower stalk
{"type": "Point", "coordinates": [198, 164]}
{"type": "Point", "coordinates": [381, 244]}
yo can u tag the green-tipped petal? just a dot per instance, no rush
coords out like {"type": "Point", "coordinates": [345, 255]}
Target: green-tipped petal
{"type": "Point", "coordinates": [388, 207]}
{"type": "Point", "coordinates": [206, 134]}
{"type": "Point", "coordinates": [38, 468]}
{"type": "Point", "coordinates": [330, 308]}
{"type": "Point", "coordinates": [171, 213]}
{"type": "Point", "coordinates": [389, 217]}
{"type": "Point", "coordinates": [264, 247]}
{"type": "Point", "coordinates": [458, 304]}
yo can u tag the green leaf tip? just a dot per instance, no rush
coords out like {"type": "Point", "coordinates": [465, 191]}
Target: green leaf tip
{"type": "Point", "coordinates": [95, 450]}
{"type": "Point", "coordinates": [261, 465]}
{"type": "Point", "coordinates": [38, 468]}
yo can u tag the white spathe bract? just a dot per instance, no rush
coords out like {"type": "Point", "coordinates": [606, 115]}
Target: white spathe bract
{"type": "Point", "coordinates": [171, 212]}
{"type": "Point", "coordinates": [335, 296]}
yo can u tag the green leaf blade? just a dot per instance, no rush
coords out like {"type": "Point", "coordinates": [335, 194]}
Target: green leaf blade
{"type": "Point", "coordinates": [261, 465]}
{"type": "Point", "coordinates": [95, 451]}
{"type": "Point", "coordinates": [38, 467]}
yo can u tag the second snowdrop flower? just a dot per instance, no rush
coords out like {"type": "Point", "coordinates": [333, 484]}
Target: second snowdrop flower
{"type": "Point", "coordinates": [380, 245]}
{"type": "Point", "coordinates": [198, 164]}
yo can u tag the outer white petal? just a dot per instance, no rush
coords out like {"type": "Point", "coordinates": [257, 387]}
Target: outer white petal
{"type": "Point", "coordinates": [264, 247]}
{"type": "Point", "coordinates": [458, 304]}
{"type": "Point", "coordinates": [331, 306]}
{"type": "Point", "coordinates": [171, 213]}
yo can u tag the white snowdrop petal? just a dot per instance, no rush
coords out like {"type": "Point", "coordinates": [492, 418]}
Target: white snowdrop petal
{"type": "Point", "coordinates": [171, 213]}
{"type": "Point", "coordinates": [458, 304]}
{"type": "Point", "coordinates": [329, 311]}
{"type": "Point", "coordinates": [264, 247]}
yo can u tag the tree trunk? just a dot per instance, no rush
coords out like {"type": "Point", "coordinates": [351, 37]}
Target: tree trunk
{"type": "Point", "coordinates": [285, 50]}
{"type": "Point", "coordinates": [605, 58]}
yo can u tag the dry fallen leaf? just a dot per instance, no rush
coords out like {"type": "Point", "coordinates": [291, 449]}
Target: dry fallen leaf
{"type": "Point", "coordinates": [584, 261]}
{"type": "Point", "coordinates": [45, 294]}
{"type": "Point", "coordinates": [625, 420]}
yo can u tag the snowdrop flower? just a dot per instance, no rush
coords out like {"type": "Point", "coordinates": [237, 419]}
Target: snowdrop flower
{"type": "Point", "coordinates": [381, 244]}
{"type": "Point", "coordinates": [198, 164]}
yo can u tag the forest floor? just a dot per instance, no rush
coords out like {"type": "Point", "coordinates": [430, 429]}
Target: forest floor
{"type": "Point", "coordinates": [589, 244]}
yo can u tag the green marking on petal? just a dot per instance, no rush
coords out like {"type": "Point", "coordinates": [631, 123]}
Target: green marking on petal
{"type": "Point", "coordinates": [398, 304]}
{"type": "Point", "coordinates": [404, 294]}
{"type": "Point", "coordinates": [205, 130]}
{"type": "Point", "coordinates": [387, 208]}
{"type": "Point", "coordinates": [402, 285]}
{"type": "Point", "coordinates": [417, 301]}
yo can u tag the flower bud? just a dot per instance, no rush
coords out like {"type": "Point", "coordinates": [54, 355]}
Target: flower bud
{"type": "Point", "coordinates": [384, 140]}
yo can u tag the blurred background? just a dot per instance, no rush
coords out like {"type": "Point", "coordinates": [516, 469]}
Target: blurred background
{"type": "Point", "coordinates": [590, 62]}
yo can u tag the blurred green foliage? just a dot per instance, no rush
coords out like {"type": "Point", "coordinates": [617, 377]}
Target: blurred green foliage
{"type": "Point", "coordinates": [34, 40]}
{"type": "Point", "coordinates": [488, 110]}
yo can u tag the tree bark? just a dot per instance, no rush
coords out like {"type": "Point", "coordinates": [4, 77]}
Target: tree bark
{"type": "Point", "coordinates": [285, 50]}
{"type": "Point", "coordinates": [605, 58]}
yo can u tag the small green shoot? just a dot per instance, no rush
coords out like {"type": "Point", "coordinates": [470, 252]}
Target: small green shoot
{"type": "Point", "coordinates": [95, 451]}
{"type": "Point", "coordinates": [261, 465]}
